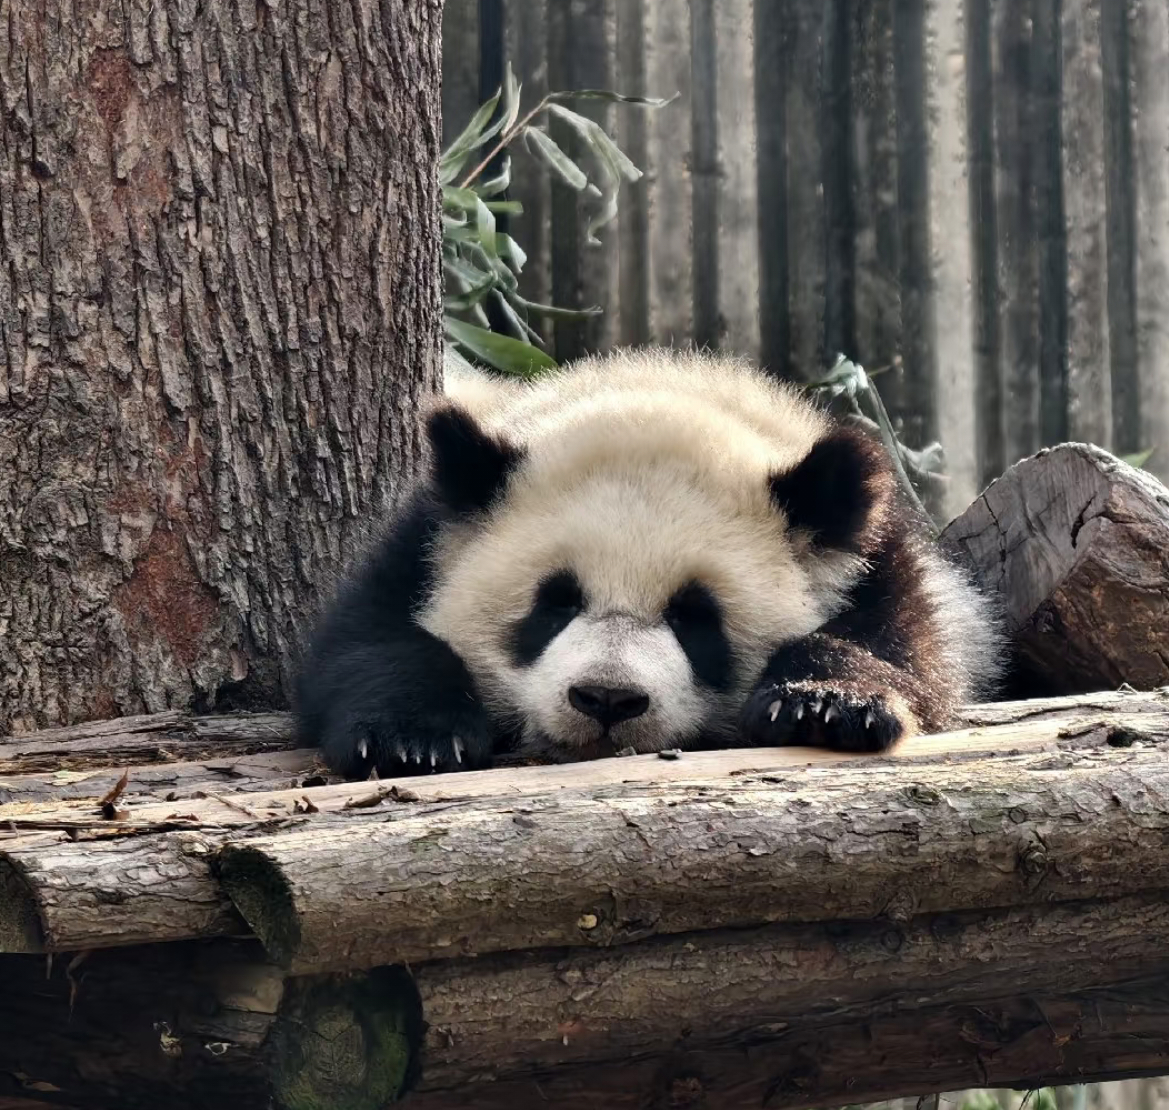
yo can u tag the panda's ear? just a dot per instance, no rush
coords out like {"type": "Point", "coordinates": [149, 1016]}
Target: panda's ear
{"type": "Point", "coordinates": [469, 465]}
{"type": "Point", "coordinates": [839, 491]}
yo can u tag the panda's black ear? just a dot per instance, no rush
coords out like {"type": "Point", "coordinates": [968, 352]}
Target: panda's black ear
{"type": "Point", "coordinates": [470, 466]}
{"type": "Point", "coordinates": [839, 491]}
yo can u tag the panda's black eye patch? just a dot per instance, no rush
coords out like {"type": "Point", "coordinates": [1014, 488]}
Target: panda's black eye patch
{"type": "Point", "coordinates": [694, 615]}
{"type": "Point", "coordinates": [559, 598]}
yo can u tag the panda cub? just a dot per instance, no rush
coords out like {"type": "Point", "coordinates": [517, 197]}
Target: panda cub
{"type": "Point", "coordinates": [644, 551]}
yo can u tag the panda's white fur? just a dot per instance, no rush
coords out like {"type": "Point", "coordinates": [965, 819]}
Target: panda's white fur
{"type": "Point", "coordinates": [641, 472]}
{"type": "Point", "coordinates": [645, 470]}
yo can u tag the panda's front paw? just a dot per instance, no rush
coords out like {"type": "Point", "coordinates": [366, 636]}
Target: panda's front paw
{"type": "Point", "coordinates": [393, 745]}
{"type": "Point", "coordinates": [823, 715]}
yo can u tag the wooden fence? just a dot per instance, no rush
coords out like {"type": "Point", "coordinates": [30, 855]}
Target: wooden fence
{"type": "Point", "coordinates": [974, 193]}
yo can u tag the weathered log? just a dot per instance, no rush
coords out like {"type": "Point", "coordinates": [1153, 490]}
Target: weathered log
{"type": "Point", "coordinates": [705, 840]}
{"type": "Point", "coordinates": [785, 1016]}
{"type": "Point", "coordinates": [602, 868]}
{"type": "Point", "coordinates": [1073, 542]}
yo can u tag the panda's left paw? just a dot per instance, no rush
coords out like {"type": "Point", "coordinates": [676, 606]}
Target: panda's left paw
{"type": "Point", "coordinates": [824, 715]}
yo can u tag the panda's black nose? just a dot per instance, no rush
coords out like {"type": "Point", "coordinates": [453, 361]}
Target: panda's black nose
{"type": "Point", "coordinates": [607, 704]}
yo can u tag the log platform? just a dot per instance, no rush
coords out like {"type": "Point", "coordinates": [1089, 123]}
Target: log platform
{"type": "Point", "coordinates": [213, 922]}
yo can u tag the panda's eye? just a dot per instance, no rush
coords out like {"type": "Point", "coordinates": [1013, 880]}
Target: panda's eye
{"type": "Point", "coordinates": [559, 598]}
{"type": "Point", "coordinates": [560, 592]}
{"type": "Point", "coordinates": [692, 605]}
{"type": "Point", "coordinates": [695, 618]}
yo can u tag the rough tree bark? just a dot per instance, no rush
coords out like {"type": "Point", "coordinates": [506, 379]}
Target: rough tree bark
{"type": "Point", "coordinates": [785, 1016]}
{"type": "Point", "coordinates": [219, 307]}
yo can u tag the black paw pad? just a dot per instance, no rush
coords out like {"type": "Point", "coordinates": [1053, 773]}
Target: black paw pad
{"type": "Point", "coordinates": [820, 716]}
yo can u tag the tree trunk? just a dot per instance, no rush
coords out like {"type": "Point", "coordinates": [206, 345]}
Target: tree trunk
{"type": "Point", "coordinates": [1073, 541]}
{"type": "Point", "coordinates": [219, 309]}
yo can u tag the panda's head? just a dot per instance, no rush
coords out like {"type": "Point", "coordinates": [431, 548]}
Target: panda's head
{"type": "Point", "coordinates": [615, 574]}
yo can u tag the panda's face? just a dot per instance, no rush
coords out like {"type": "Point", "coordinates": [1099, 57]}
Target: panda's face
{"type": "Point", "coordinates": [590, 679]}
{"type": "Point", "coordinates": [626, 610]}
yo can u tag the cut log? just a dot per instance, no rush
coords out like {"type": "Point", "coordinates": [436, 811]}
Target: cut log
{"type": "Point", "coordinates": [609, 867]}
{"type": "Point", "coordinates": [145, 739]}
{"type": "Point", "coordinates": [1073, 541]}
{"type": "Point", "coordinates": [438, 866]}
{"type": "Point", "coordinates": [785, 1016]}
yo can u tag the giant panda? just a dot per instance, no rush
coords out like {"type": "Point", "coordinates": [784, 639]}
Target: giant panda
{"type": "Point", "coordinates": [643, 551]}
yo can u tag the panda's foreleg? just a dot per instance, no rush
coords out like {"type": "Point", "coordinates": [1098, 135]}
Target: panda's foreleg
{"type": "Point", "coordinates": [376, 691]}
{"type": "Point", "coordinates": [401, 704]}
{"type": "Point", "coordinates": [827, 692]}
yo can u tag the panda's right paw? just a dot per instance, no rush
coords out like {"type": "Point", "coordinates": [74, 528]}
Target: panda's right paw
{"type": "Point", "coordinates": [394, 745]}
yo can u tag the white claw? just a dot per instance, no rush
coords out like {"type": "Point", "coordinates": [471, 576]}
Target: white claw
{"type": "Point", "coordinates": [774, 708]}
{"type": "Point", "coordinates": [870, 720]}
{"type": "Point", "coordinates": [457, 744]}
{"type": "Point", "coordinates": [363, 749]}
{"type": "Point", "coordinates": [800, 712]}
{"type": "Point", "coordinates": [418, 758]}
{"type": "Point", "coordinates": [830, 714]}
{"type": "Point", "coordinates": [400, 751]}
{"type": "Point", "coordinates": [816, 706]}
{"type": "Point", "coordinates": [433, 759]}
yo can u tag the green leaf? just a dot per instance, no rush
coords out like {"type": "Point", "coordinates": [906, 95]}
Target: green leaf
{"type": "Point", "coordinates": [511, 98]}
{"type": "Point", "coordinates": [547, 151]}
{"type": "Point", "coordinates": [473, 286]}
{"type": "Point", "coordinates": [466, 200]}
{"type": "Point", "coordinates": [598, 141]}
{"type": "Point", "coordinates": [612, 97]}
{"type": "Point", "coordinates": [485, 224]}
{"type": "Point", "coordinates": [613, 163]}
{"type": "Point", "coordinates": [511, 250]}
{"type": "Point", "coordinates": [553, 312]}
{"type": "Point", "coordinates": [471, 137]}
{"type": "Point", "coordinates": [518, 323]}
{"type": "Point", "coordinates": [511, 207]}
{"type": "Point", "coordinates": [500, 183]}
{"type": "Point", "coordinates": [1140, 458]}
{"type": "Point", "coordinates": [511, 356]}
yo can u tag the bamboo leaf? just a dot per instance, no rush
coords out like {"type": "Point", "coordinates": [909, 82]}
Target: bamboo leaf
{"type": "Point", "coordinates": [612, 97]}
{"type": "Point", "coordinates": [1140, 458]}
{"type": "Point", "coordinates": [485, 224]}
{"type": "Point", "coordinates": [598, 141]}
{"type": "Point", "coordinates": [511, 98]}
{"type": "Point", "coordinates": [466, 300]}
{"type": "Point", "coordinates": [511, 250]}
{"type": "Point", "coordinates": [500, 183]}
{"type": "Point", "coordinates": [471, 137]}
{"type": "Point", "coordinates": [553, 312]}
{"type": "Point", "coordinates": [511, 207]}
{"type": "Point", "coordinates": [465, 200]}
{"type": "Point", "coordinates": [512, 356]}
{"type": "Point", "coordinates": [548, 151]}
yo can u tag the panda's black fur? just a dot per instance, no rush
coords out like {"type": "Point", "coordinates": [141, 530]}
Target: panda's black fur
{"type": "Point", "coordinates": [445, 647]}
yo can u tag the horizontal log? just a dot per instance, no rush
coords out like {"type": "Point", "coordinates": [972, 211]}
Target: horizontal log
{"type": "Point", "coordinates": [496, 1023]}
{"type": "Point", "coordinates": [1073, 541]}
{"type": "Point", "coordinates": [158, 753]}
{"type": "Point", "coordinates": [786, 1016]}
{"type": "Point", "coordinates": [580, 869]}
{"type": "Point", "coordinates": [75, 880]}
{"type": "Point", "coordinates": [149, 738]}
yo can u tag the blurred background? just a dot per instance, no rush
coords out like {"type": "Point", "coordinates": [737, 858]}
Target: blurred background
{"type": "Point", "coordinates": [969, 196]}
